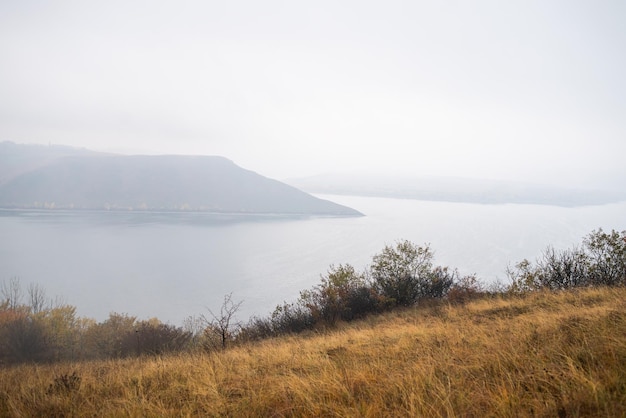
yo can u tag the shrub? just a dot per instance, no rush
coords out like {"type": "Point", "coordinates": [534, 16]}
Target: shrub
{"type": "Point", "coordinates": [404, 274]}
{"type": "Point", "coordinates": [563, 270]}
{"type": "Point", "coordinates": [607, 255]}
{"type": "Point", "coordinates": [361, 301]}
{"type": "Point", "coordinates": [601, 261]}
{"type": "Point", "coordinates": [465, 289]}
{"type": "Point", "coordinates": [153, 338]}
{"type": "Point", "coordinates": [64, 383]}
{"type": "Point", "coordinates": [23, 338]}
{"type": "Point", "coordinates": [291, 318]}
{"type": "Point", "coordinates": [257, 328]}
{"type": "Point", "coordinates": [438, 282]}
{"type": "Point", "coordinates": [106, 339]}
{"type": "Point", "coordinates": [342, 295]}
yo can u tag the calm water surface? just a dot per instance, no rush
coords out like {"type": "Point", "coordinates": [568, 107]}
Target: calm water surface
{"type": "Point", "coordinates": [175, 265]}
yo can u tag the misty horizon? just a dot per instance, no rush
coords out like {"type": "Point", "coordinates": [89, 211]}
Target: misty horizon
{"type": "Point", "coordinates": [516, 91]}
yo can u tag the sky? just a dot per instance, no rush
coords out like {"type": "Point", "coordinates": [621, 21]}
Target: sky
{"type": "Point", "coordinates": [528, 90]}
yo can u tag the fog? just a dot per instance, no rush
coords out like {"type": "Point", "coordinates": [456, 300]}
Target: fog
{"type": "Point", "coordinates": [522, 90]}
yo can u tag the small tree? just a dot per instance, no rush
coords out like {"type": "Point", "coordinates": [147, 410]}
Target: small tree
{"type": "Point", "coordinates": [607, 254]}
{"type": "Point", "coordinates": [37, 298]}
{"type": "Point", "coordinates": [404, 273]}
{"type": "Point", "coordinates": [11, 293]}
{"type": "Point", "coordinates": [106, 339]}
{"type": "Point", "coordinates": [223, 324]}
{"type": "Point", "coordinates": [61, 326]}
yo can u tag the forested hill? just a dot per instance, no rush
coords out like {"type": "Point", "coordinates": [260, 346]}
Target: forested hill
{"type": "Point", "coordinates": [67, 178]}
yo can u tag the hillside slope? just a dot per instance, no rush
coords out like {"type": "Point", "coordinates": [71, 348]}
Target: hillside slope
{"type": "Point", "coordinates": [560, 354]}
{"type": "Point", "coordinates": [198, 183]}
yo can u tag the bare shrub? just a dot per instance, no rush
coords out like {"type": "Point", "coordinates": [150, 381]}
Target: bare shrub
{"type": "Point", "coordinates": [465, 289]}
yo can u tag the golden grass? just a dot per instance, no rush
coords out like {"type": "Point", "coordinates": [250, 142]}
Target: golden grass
{"type": "Point", "coordinates": [545, 354]}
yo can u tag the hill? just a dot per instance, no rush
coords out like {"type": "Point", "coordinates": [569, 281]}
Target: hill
{"type": "Point", "coordinates": [65, 178]}
{"type": "Point", "coordinates": [557, 354]}
{"type": "Point", "coordinates": [451, 189]}
{"type": "Point", "coordinates": [16, 159]}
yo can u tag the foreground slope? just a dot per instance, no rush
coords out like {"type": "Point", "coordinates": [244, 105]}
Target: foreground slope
{"type": "Point", "coordinates": [544, 354]}
{"type": "Point", "coordinates": [199, 183]}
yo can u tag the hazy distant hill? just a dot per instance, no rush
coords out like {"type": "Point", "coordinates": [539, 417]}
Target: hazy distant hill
{"type": "Point", "coordinates": [449, 189]}
{"type": "Point", "coordinates": [78, 179]}
{"type": "Point", "coordinates": [16, 159]}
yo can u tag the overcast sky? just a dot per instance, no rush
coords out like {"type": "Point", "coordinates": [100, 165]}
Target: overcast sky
{"type": "Point", "coordinates": [525, 90]}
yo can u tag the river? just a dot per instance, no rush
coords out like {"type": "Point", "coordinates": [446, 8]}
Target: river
{"type": "Point", "coordinates": [174, 265]}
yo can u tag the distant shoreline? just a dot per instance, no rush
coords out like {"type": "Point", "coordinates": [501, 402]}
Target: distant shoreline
{"type": "Point", "coordinates": [477, 201]}
{"type": "Point", "coordinates": [174, 212]}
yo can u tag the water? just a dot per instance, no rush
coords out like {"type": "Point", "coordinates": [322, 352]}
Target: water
{"type": "Point", "coordinates": [172, 266]}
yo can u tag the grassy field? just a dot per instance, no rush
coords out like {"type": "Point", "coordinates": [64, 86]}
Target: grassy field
{"type": "Point", "coordinates": [544, 354]}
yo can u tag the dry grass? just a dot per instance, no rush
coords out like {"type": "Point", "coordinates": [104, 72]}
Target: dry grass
{"type": "Point", "coordinates": [545, 354]}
